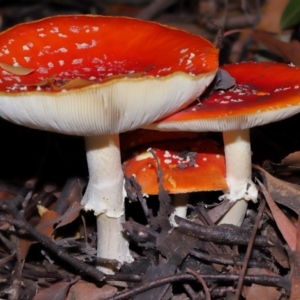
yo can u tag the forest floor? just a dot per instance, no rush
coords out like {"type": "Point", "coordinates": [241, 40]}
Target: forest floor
{"type": "Point", "coordinates": [48, 242]}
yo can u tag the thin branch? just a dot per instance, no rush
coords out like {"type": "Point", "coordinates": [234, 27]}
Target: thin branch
{"type": "Point", "coordinates": [203, 283]}
{"type": "Point", "coordinates": [226, 234]}
{"type": "Point", "coordinates": [56, 250]}
{"type": "Point", "coordinates": [265, 280]}
{"type": "Point", "coordinates": [219, 258]}
{"type": "Point", "coordinates": [249, 250]}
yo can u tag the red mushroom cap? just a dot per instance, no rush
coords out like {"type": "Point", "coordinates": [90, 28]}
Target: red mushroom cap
{"type": "Point", "coordinates": [97, 47]}
{"type": "Point", "coordinates": [126, 73]}
{"type": "Point", "coordinates": [264, 92]}
{"type": "Point", "coordinates": [201, 168]}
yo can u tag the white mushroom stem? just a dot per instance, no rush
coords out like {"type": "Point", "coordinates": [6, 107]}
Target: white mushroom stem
{"type": "Point", "coordinates": [236, 214]}
{"type": "Point", "coordinates": [238, 175]}
{"type": "Point", "coordinates": [180, 204]}
{"type": "Point", "coordinates": [105, 196]}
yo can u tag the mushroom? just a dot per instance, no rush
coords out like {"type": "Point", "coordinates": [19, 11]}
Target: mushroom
{"type": "Point", "coordinates": [98, 76]}
{"type": "Point", "coordinates": [188, 165]}
{"type": "Point", "coordinates": [264, 92]}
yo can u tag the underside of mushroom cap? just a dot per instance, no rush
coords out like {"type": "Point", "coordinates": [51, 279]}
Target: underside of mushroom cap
{"type": "Point", "coordinates": [114, 107]}
{"type": "Point", "coordinates": [130, 73]}
{"type": "Point", "coordinates": [264, 92]}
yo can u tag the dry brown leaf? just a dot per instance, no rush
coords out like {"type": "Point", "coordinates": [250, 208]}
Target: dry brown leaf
{"type": "Point", "coordinates": [50, 218]}
{"type": "Point", "coordinates": [16, 70]}
{"type": "Point", "coordinates": [271, 14]}
{"type": "Point", "coordinates": [256, 291]}
{"type": "Point", "coordinates": [70, 215]}
{"type": "Point", "coordinates": [47, 81]}
{"type": "Point", "coordinates": [41, 209]}
{"type": "Point", "coordinates": [285, 226]}
{"type": "Point", "coordinates": [288, 169]}
{"type": "Point", "coordinates": [75, 83]}
{"type": "Point", "coordinates": [80, 82]}
{"type": "Point", "coordinates": [47, 221]}
{"type": "Point", "coordinates": [290, 52]}
{"type": "Point", "coordinates": [72, 192]}
{"type": "Point", "coordinates": [119, 76]}
{"type": "Point", "coordinates": [278, 251]}
{"type": "Point", "coordinates": [217, 212]}
{"type": "Point", "coordinates": [57, 291]}
{"type": "Point", "coordinates": [285, 193]}
{"type": "Point", "coordinates": [284, 172]}
{"type": "Point", "coordinates": [292, 160]}
{"type": "Point", "coordinates": [295, 276]}
{"type": "Point", "coordinates": [24, 245]}
{"type": "Point", "coordinates": [6, 195]}
{"type": "Point", "coordinates": [83, 290]}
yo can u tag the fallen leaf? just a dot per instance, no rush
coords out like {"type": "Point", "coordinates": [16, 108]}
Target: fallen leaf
{"type": "Point", "coordinates": [256, 291]}
{"type": "Point", "coordinates": [271, 15]}
{"type": "Point", "coordinates": [71, 192]}
{"type": "Point", "coordinates": [278, 251]}
{"type": "Point", "coordinates": [70, 215]}
{"type": "Point", "coordinates": [46, 223]}
{"type": "Point", "coordinates": [290, 52]}
{"type": "Point", "coordinates": [83, 290]}
{"type": "Point", "coordinates": [47, 81]}
{"type": "Point", "coordinates": [16, 70]}
{"type": "Point", "coordinates": [77, 82]}
{"type": "Point", "coordinates": [282, 192]}
{"type": "Point", "coordinates": [285, 226]}
{"type": "Point", "coordinates": [218, 211]}
{"type": "Point", "coordinates": [6, 195]}
{"type": "Point", "coordinates": [57, 291]}
{"type": "Point", "coordinates": [295, 276]}
{"type": "Point", "coordinates": [286, 172]}
{"type": "Point", "coordinates": [224, 80]}
{"type": "Point", "coordinates": [24, 245]}
{"type": "Point", "coordinates": [292, 160]}
{"type": "Point", "coordinates": [41, 209]}
{"type": "Point", "coordinates": [50, 218]}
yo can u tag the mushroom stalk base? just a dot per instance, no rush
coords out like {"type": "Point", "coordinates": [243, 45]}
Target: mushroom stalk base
{"type": "Point", "coordinates": [105, 195]}
{"type": "Point", "coordinates": [236, 214]}
{"type": "Point", "coordinates": [111, 244]}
